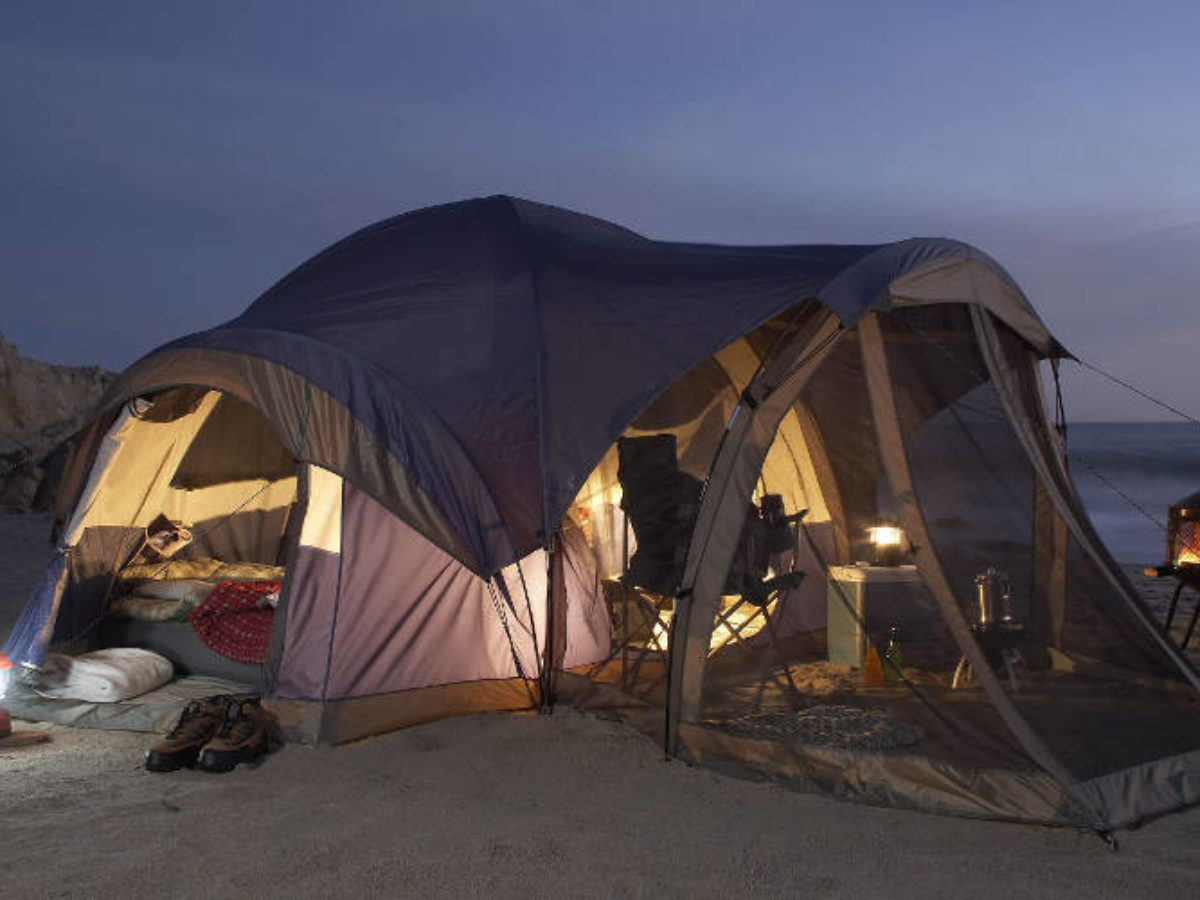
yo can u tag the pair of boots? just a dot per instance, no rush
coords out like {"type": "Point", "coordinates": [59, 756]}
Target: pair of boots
{"type": "Point", "coordinates": [214, 734]}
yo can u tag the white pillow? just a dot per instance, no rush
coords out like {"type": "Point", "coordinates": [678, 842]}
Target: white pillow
{"type": "Point", "coordinates": [103, 676]}
{"type": "Point", "coordinates": [193, 590]}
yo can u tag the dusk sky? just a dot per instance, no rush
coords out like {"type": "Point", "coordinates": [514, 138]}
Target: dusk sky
{"type": "Point", "coordinates": [163, 163]}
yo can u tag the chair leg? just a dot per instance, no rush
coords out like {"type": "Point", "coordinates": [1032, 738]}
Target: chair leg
{"type": "Point", "coordinates": [786, 686]}
{"type": "Point", "coordinates": [960, 674]}
{"type": "Point", "coordinates": [1011, 656]}
{"type": "Point", "coordinates": [1187, 635]}
{"type": "Point", "coordinates": [780, 606]}
{"type": "Point", "coordinates": [1171, 608]}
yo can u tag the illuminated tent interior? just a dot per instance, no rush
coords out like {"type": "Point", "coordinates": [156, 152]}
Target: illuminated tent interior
{"type": "Point", "coordinates": [501, 455]}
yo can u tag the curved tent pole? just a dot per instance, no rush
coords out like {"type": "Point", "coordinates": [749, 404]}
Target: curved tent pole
{"type": "Point", "coordinates": [1051, 471]}
{"type": "Point", "coordinates": [722, 511]}
{"type": "Point", "coordinates": [347, 445]}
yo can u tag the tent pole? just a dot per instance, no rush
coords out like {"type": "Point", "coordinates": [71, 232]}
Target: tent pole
{"type": "Point", "coordinates": [553, 642]}
{"type": "Point", "coordinates": [547, 654]}
{"type": "Point", "coordinates": [722, 511]}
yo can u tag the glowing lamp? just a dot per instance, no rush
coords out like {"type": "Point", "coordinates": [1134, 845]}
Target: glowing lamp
{"type": "Point", "coordinates": [5, 671]}
{"type": "Point", "coordinates": [1183, 533]}
{"type": "Point", "coordinates": [887, 539]}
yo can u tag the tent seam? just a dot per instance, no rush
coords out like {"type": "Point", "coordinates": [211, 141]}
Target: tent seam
{"type": "Point", "coordinates": [172, 348]}
{"type": "Point", "coordinates": [337, 598]}
{"type": "Point", "coordinates": [532, 270]}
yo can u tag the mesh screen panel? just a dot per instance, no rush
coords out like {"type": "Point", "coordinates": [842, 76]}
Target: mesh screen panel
{"type": "Point", "coordinates": [847, 677]}
{"type": "Point", "coordinates": [814, 675]}
{"type": "Point", "coordinates": [1078, 664]}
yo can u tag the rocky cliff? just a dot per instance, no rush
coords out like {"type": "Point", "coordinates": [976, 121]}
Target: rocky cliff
{"type": "Point", "coordinates": [41, 405]}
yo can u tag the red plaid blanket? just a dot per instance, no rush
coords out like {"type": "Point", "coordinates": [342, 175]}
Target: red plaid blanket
{"type": "Point", "coordinates": [235, 620]}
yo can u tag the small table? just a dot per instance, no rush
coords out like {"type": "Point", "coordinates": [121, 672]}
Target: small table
{"type": "Point", "coordinates": [1000, 642]}
{"type": "Point", "coordinates": [856, 593]}
{"type": "Point", "coordinates": [1188, 576]}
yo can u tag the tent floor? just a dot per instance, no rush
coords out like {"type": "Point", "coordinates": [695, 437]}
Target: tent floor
{"type": "Point", "coordinates": [1093, 725]}
{"type": "Point", "coordinates": [179, 643]}
{"type": "Point", "coordinates": [155, 711]}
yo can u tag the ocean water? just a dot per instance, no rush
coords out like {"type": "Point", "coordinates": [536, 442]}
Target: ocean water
{"type": "Point", "coordinates": [1153, 464]}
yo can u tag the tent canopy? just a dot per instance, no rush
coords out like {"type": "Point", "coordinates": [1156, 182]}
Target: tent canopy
{"type": "Point", "coordinates": [473, 347]}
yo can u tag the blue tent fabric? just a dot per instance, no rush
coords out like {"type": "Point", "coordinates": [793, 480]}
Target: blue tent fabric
{"type": "Point", "coordinates": [522, 339]}
{"type": "Point", "coordinates": [414, 434]}
{"type": "Point", "coordinates": [30, 636]}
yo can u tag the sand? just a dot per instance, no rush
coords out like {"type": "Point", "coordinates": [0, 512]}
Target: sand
{"type": "Point", "coordinates": [501, 805]}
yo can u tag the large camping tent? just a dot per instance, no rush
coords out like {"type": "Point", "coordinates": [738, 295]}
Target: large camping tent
{"type": "Point", "coordinates": [507, 454]}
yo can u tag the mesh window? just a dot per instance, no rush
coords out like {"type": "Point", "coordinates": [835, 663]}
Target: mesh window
{"type": "Point", "coordinates": [1078, 664]}
{"type": "Point", "coordinates": [809, 685]}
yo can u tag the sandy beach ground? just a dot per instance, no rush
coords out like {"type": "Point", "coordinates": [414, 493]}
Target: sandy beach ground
{"type": "Point", "coordinates": [504, 806]}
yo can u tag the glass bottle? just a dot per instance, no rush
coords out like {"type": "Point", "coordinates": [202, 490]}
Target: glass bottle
{"type": "Point", "coordinates": [872, 668]}
{"type": "Point", "coordinates": [891, 669]}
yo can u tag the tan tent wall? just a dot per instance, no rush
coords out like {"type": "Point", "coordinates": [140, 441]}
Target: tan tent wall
{"type": "Point", "coordinates": [130, 483]}
{"type": "Point", "coordinates": [788, 466]}
{"type": "Point", "coordinates": [376, 610]}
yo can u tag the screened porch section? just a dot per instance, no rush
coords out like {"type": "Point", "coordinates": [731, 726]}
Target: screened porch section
{"type": "Point", "coordinates": [995, 646]}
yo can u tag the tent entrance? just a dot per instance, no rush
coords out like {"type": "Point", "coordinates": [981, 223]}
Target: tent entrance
{"type": "Point", "coordinates": [638, 512]}
{"type": "Point", "coordinates": [209, 468]}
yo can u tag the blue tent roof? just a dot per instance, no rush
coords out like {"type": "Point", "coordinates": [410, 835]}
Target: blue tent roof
{"type": "Point", "coordinates": [520, 339]}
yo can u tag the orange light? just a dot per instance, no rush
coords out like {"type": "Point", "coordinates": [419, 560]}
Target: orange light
{"type": "Point", "coordinates": [886, 535]}
{"type": "Point", "coordinates": [1188, 552]}
{"type": "Point", "coordinates": [888, 541]}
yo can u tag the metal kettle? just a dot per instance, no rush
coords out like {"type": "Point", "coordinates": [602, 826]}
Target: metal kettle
{"type": "Point", "coordinates": [993, 596]}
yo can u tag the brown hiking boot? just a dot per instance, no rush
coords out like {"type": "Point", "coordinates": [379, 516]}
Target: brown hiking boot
{"type": "Point", "coordinates": [244, 736]}
{"type": "Point", "coordinates": [199, 722]}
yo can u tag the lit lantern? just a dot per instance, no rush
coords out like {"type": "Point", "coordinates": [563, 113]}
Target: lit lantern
{"type": "Point", "coordinates": [5, 719]}
{"type": "Point", "coordinates": [888, 540]}
{"type": "Point", "coordinates": [1183, 533]}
